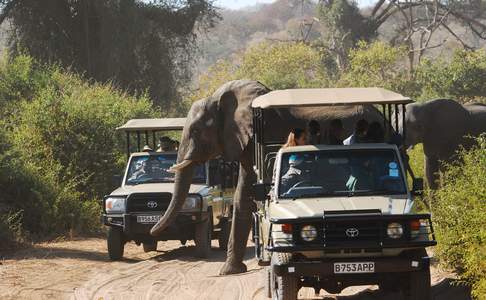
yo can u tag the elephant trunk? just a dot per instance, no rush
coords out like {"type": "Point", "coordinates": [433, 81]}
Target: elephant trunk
{"type": "Point", "coordinates": [183, 180]}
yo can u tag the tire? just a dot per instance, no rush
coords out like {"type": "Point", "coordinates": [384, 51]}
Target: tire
{"type": "Point", "coordinates": [268, 285]}
{"type": "Point", "coordinates": [147, 247]}
{"type": "Point", "coordinates": [116, 243]}
{"type": "Point", "coordinates": [202, 238]}
{"type": "Point", "coordinates": [419, 285]}
{"type": "Point", "coordinates": [283, 287]}
{"type": "Point", "coordinates": [224, 233]}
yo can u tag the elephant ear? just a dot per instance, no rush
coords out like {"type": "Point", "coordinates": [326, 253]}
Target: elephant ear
{"type": "Point", "coordinates": [236, 115]}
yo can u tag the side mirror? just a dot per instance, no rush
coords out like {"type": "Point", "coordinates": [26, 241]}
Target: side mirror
{"type": "Point", "coordinates": [213, 176]}
{"type": "Point", "coordinates": [261, 191]}
{"type": "Point", "coordinates": [418, 186]}
{"type": "Point", "coordinates": [116, 180]}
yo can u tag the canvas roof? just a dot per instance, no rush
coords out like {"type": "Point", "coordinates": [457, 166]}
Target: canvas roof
{"type": "Point", "coordinates": [153, 124]}
{"type": "Point", "coordinates": [328, 97]}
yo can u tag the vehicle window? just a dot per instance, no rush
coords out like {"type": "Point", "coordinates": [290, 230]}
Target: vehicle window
{"type": "Point", "coordinates": [154, 169]}
{"type": "Point", "coordinates": [340, 172]}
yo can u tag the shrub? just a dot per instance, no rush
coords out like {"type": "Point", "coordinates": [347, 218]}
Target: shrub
{"type": "Point", "coordinates": [462, 78]}
{"type": "Point", "coordinates": [58, 147]}
{"type": "Point", "coordinates": [285, 65]}
{"type": "Point", "coordinates": [459, 209]}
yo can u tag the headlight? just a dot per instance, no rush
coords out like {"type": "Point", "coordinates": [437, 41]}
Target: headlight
{"type": "Point", "coordinates": [394, 230]}
{"type": "Point", "coordinates": [192, 202]}
{"type": "Point", "coordinates": [113, 204]}
{"type": "Point", "coordinates": [308, 233]}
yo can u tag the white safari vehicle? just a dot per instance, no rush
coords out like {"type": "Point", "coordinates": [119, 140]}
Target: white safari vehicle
{"type": "Point", "coordinates": [146, 189]}
{"type": "Point", "coordinates": [337, 216]}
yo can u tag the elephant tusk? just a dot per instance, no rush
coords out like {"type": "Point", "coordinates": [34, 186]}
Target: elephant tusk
{"type": "Point", "coordinates": [180, 166]}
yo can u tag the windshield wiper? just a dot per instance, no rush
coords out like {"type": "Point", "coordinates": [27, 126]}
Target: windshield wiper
{"type": "Point", "coordinates": [310, 195]}
{"type": "Point", "coordinates": [371, 193]}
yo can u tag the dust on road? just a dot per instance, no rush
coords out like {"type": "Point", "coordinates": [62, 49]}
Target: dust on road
{"type": "Point", "coordinates": [80, 269]}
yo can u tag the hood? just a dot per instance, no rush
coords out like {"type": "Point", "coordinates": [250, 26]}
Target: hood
{"type": "Point", "coordinates": [315, 207]}
{"type": "Point", "coordinates": [155, 188]}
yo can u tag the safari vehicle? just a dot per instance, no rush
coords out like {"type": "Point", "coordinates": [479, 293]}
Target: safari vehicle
{"type": "Point", "coordinates": [347, 218]}
{"type": "Point", "coordinates": [146, 191]}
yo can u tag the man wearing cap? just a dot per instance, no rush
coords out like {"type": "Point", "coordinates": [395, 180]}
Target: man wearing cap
{"type": "Point", "coordinates": [295, 173]}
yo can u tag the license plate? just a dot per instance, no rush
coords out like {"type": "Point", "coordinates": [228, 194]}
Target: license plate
{"type": "Point", "coordinates": [148, 219]}
{"type": "Point", "coordinates": [354, 267]}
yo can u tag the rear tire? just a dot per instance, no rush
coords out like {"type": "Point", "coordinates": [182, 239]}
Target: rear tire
{"type": "Point", "coordinates": [283, 287]}
{"type": "Point", "coordinates": [116, 243]}
{"type": "Point", "coordinates": [224, 233]}
{"type": "Point", "coordinates": [148, 247]}
{"type": "Point", "coordinates": [202, 238]}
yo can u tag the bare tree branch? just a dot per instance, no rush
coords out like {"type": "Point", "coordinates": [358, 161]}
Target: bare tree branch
{"type": "Point", "coordinates": [466, 46]}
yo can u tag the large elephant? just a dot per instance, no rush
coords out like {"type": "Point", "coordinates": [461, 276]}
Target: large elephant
{"type": "Point", "coordinates": [442, 125]}
{"type": "Point", "coordinates": [222, 125]}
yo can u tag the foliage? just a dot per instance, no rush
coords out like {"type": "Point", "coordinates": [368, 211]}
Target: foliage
{"type": "Point", "coordinates": [378, 64]}
{"type": "Point", "coordinates": [219, 73]}
{"type": "Point", "coordinates": [138, 45]}
{"type": "Point", "coordinates": [460, 215]}
{"type": "Point", "coordinates": [346, 26]}
{"type": "Point", "coordinates": [277, 65]}
{"type": "Point", "coordinates": [71, 123]}
{"type": "Point", "coordinates": [462, 78]}
{"type": "Point", "coordinates": [58, 150]}
{"type": "Point", "coordinates": [285, 65]}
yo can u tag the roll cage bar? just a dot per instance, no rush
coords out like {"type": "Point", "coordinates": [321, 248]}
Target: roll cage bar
{"type": "Point", "coordinates": [318, 98]}
{"type": "Point", "coordinates": [149, 128]}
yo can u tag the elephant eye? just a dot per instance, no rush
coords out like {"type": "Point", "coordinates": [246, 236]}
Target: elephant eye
{"type": "Point", "coordinates": [194, 130]}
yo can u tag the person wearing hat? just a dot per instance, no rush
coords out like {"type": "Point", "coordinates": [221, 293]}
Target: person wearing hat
{"type": "Point", "coordinates": [295, 173]}
{"type": "Point", "coordinates": [147, 148]}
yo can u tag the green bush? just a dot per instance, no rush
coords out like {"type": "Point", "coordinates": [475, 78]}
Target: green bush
{"type": "Point", "coordinates": [285, 65]}
{"type": "Point", "coordinates": [459, 209]}
{"type": "Point", "coordinates": [58, 147]}
{"type": "Point", "coordinates": [462, 78]}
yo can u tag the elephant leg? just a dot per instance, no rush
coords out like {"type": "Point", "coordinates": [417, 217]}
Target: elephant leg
{"type": "Point", "coordinates": [243, 206]}
{"type": "Point", "coordinates": [431, 165]}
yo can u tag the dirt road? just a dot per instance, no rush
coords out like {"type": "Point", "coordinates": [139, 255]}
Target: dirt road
{"type": "Point", "coordinates": [80, 269]}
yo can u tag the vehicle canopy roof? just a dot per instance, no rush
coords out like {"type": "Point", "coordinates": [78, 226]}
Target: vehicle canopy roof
{"type": "Point", "coordinates": [153, 124]}
{"type": "Point", "coordinates": [328, 97]}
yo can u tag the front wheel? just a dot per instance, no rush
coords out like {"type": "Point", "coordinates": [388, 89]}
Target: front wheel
{"type": "Point", "coordinates": [283, 287]}
{"type": "Point", "coordinates": [419, 285]}
{"type": "Point", "coordinates": [202, 238]}
{"type": "Point", "coordinates": [116, 243]}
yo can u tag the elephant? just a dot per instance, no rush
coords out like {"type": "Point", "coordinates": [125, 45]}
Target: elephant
{"type": "Point", "coordinates": [443, 126]}
{"type": "Point", "coordinates": [222, 125]}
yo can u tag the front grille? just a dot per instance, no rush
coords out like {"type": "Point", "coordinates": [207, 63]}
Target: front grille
{"type": "Point", "coordinates": [144, 202]}
{"type": "Point", "coordinates": [341, 233]}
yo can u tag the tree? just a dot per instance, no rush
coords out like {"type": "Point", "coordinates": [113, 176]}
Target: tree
{"type": "Point", "coordinates": [345, 27]}
{"type": "Point", "coordinates": [278, 65]}
{"type": "Point", "coordinates": [416, 22]}
{"type": "Point", "coordinates": [285, 65]}
{"type": "Point", "coordinates": [138, 45]}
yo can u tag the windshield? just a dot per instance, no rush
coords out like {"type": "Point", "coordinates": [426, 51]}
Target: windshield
{"type": "Point", "coordinates": [154, 169]}
{"type": "Point", "coordinates": [340, 172]}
